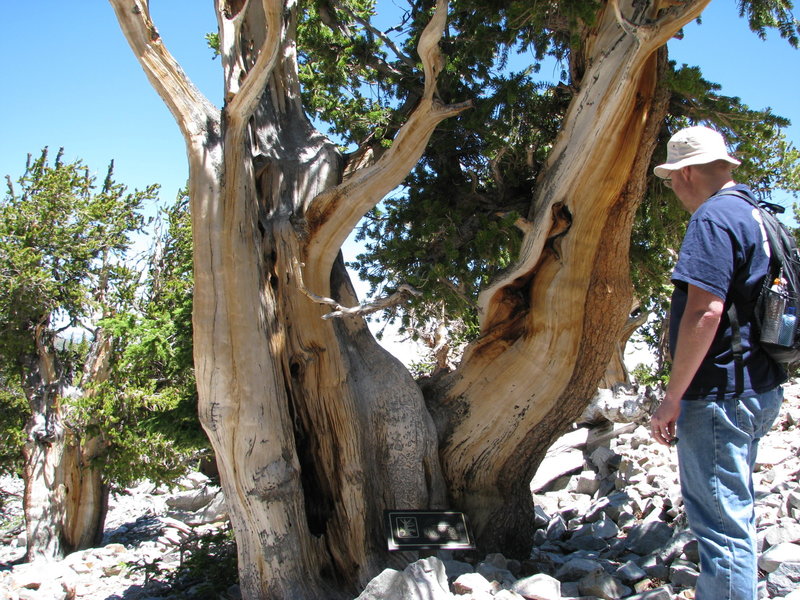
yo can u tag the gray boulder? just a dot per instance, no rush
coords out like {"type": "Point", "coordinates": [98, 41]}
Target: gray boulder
{"type": "Point", "coordinates": [781, 533]}
{"type": "Point", "coordinates": [538, 587]}
{"type": "Point", "coordinates": [781, 553]}
{"type": "Point", "coordinates": [603, 585]}
{"type": "Point", "coordinates": [784, 579]}
{"type": "Point", "coordinates": [423, 580]}
{"type": "Point", "coordinates": [577, 568]}
{"type": "Point", "coordinates": [193, 499]}
{"type": "Point", "coordinates": [661, 593]}
{"type": "Point", "coordinates": [648, 537]}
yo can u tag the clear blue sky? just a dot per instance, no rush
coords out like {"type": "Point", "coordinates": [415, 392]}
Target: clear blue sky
{"type": "Point", "coordinates": [71, 80]}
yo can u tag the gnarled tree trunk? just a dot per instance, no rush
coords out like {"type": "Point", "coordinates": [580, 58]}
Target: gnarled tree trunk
{"type": "Point", "coordinates": [315, 428]}
{"type": "Point", "coordinates": [65, 499]}
{"type": "Point", "coordinates": [550, 324]}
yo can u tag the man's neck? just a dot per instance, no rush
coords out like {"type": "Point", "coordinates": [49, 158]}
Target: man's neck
{"type": "Point", "coordinates": [713, 187]}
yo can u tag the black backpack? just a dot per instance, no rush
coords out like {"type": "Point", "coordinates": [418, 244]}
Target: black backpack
{"type": "Point", "coordinates": [777, 307]}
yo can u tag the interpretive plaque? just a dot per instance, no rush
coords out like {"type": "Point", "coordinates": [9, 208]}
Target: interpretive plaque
{"type": "Point", "coordinates": [425, 529]}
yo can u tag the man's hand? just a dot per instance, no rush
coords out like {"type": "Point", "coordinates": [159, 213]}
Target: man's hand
{"type": "Point", "coordinates": [662, 423]}
{"type": "Point", "coordinates": [698, 327]}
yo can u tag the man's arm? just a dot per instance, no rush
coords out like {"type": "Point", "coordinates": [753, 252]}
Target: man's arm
{"type": "Point", "coordinates": [696, 332]}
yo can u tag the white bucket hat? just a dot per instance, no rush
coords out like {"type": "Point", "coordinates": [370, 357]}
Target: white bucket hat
{"type": "Point", "coordinates": [694, 146]}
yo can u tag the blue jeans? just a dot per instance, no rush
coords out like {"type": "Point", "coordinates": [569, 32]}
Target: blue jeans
{"type": "Point", "coordinates": [717, 445]}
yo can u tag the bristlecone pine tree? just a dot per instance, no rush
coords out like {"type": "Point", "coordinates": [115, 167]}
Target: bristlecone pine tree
{"type": "Point", "coordinates": [316, 429]}
{"type": "Point", "coordinates": [62, 239]}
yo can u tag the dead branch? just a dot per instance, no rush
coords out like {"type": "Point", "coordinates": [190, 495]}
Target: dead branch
{"type": "Point", "coordinates": [628, 26]}
{"type": "Point", "coordinates": [333, 214]}
{"type": "Point", "coordinates": [190, 108]}
{"type": "Point", "coordinates": [671, 16]}
{"type": "Point", "coordinates": [403, 293]}
{"type": "Point", "coordinates": [382, 36]}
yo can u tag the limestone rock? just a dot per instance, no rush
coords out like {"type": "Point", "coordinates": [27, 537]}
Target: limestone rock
{"type": "Point", "coordinates": [423, 580]}
{"type": "Point", "coordinates": [648, 537]}
{"type": "Point", "coordinates": [577, 568]}
{"type": "Point", "coordinates": [455, 568]}
{"type": "Point", "coordinates": [193, 499]}
{"type": "Point", "coordinates": [471, 583]}
{"type": "Point", "coordinates": [538, 587]}
{"type": "Point", "coordinates": [784, 579]}
{"type": "Point", "coordinates": [770, 560]}
{"type": "Point", "coordinates": [602, 585]}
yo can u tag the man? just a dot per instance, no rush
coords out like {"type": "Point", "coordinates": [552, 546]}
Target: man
{"type": "Point", "coordinates": [723, 260]}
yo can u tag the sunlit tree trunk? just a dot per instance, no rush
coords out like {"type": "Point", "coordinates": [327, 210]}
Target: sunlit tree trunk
{"type": "Point", "coordinates": [65, 499]}
{"type": "Point", "coordinates": [550, 325]}
{"type": "Point", "coordinates": [45, 446]}
{"type": "Point", "coordinates": [315, 428]}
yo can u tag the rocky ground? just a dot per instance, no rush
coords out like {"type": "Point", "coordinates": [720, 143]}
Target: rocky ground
{"type": "Point", "coordinates": [609, 519]}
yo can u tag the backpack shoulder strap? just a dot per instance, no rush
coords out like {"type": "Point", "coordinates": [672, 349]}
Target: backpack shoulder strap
{"type": "Point", "coordinates": [761, 205]}
{"type": "Point", "coordinates": [737, 347]}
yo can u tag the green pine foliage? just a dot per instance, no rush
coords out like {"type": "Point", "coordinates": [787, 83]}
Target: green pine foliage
{"type": "Point", "coordinates": [61, 243]}
{"type": "Point", "coordinates": [152, 393]}
{"type": "Point", "coordinates": [343, 68]}
{"type": "Point", "coordinates": [63, 240]}
{"type": "Point", "coordinates": [451, 228]}
{"type": "Point", "coordinates": [763, 15]}
{"type": "Point", "coordinates": [67, 265]}
{"type": "Point", "coordinates": [13, 414]}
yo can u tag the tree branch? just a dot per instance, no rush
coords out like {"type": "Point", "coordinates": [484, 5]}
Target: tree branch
{"type": "Point", "coordinates": [609, 72]}
{"type": "Point", "coordinates": [671, 15]}
{"type": "Point", "coordinates": [428, 48]}
{"type": "Point", "coordinates": [401, 295]}
{"type": "Point", "coordinates": [230, 27]}
{"type": "Point", "coordinates": [628, 26]}
{"type": "Point", "coordinates": [242, 101]}
{"type": "Point", "coordinates": [332, 215]}
{"type": "Point", "coordinates": [190, 108]}
{"type": "Point", "coordinates": [382, 36]}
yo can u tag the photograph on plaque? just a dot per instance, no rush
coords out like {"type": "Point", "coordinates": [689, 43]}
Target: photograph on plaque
{"type": "Point", "coordinates": [426, 529]}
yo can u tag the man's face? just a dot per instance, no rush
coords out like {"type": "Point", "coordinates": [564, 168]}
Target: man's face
{"type": "Point", "coordinates": [680, 183]}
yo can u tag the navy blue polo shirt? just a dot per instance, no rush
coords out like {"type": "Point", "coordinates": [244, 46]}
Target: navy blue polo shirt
{"type": "Point", "coordinates": [724, 252]}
